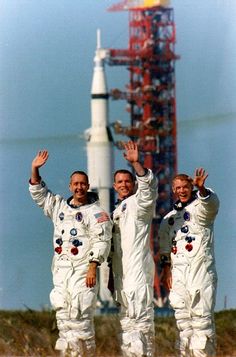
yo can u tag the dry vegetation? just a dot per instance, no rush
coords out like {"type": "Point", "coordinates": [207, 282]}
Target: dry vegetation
{"type": "Point", "coordinates": [33, 333]}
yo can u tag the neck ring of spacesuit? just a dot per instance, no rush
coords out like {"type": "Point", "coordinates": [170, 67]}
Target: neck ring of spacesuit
{"type": "Point", "coordinates": [178, 205]}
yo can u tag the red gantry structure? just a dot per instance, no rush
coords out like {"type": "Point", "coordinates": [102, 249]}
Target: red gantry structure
{"type": "Point", "coordinates": [151, 101]}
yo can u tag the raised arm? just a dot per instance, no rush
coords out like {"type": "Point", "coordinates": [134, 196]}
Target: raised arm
{"type": "Point", "coordinates": [199, 179]}
{"type": "Point", "coordinates": [37, 162]}
{"type": "Point", "coordinates": [131, 154]}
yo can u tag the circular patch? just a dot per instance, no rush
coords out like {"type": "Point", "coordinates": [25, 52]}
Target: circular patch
{"type": "Point", "coordinates": [79, 216]}
{"type": "Point", "coordinates": [123, 208]}
{"type": "Point", "coordinates": [58, 250]}
{"type": "Point", "coordinates": [74, 250]}
{"type": "Point", "coordinates": [171, 221]}
{"type": "Point", "coordinates": [59, 241]}
{"type": "Point", "coordinates": [186, 216]}
{"type": "Point", "coordinates": [189, 239]}
{"type": "Point", "coordinates": [77, 243]}
{"type": "Point", "coordinates": [189, 247]}
{"type": "Point", "coordinates": [184, 229]}
{"type": "Point", "coordinates": [73, 231]}
{"type": "Point", "coordinates": [61, 216]}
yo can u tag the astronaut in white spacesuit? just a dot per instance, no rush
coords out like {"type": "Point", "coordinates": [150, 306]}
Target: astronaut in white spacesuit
{"type": "Point", "coordinates": [187, 255]}
{"type": "Point", "coordinates": [82, 233]}
{"type": "Point", "coordinates": [132, 261]}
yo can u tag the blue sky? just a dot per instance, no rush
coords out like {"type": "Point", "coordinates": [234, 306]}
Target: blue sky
{"type": "Point", "coordinates": [46, 62]}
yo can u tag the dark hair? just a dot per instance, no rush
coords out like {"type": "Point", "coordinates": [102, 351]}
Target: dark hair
{"type": "Point", "coordinates": [80, 173]}
{"type": "Point", "coordinates": [123, 171]}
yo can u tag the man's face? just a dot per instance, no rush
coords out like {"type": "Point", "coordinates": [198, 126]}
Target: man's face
{"type": "Point", "coordinates": [182, 190]}
{"type": "Point", "coordinates": [79, 187]}
{"type": "Point", "coordinates": [123, 185]}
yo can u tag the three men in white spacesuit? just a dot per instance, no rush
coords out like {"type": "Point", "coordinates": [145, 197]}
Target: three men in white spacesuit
{"type": "Point", "coordinates": [132, 261]}
{"type": "Point", "coordinates": [82, 233]}
{"type": "Point", "coordinates": [187, 255]}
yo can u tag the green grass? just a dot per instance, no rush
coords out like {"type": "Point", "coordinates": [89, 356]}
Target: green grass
{"type": "Point", "coordinates": [33, 333]}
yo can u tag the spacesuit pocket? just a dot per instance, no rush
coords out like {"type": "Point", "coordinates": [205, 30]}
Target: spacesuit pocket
{"type": "Point", "coordinates": [176, 301]}
{"type": "Point", "coordinates": [87, 301]}
{"type": "Point", "coordinates": [57, 299]}
{"type": "Point", "coordinates": [197, 303]}
{"type": "Point", "coordinates": [129, 302]}
{"type": "Point", "coordinates": [203, 301]}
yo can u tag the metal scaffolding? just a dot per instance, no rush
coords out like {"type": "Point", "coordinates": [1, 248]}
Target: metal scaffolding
{"type": "Point", "coordinates": [151, 102]}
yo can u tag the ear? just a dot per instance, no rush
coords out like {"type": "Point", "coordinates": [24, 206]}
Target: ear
{"type": "Point", "coordinates": [70, 187]}
{"type": "Point", "coordinates": [114, 186]}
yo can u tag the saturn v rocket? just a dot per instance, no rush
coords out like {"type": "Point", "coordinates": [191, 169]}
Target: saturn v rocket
{"type": "Point", "coordinates": [100, 162]}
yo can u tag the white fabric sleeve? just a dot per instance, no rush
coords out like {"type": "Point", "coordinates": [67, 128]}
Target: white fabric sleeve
{"type": "Point", "coordinates": [44, 198]}
{"type": "Point", "coordinates": [147, 191]}
{"type": "Point", "coordinates": [100, 234]}
{"type": "Point", "coordinates": [208, 208]}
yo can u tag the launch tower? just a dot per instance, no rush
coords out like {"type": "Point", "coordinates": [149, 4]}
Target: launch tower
{"type": "Point", "coordinates": [150, 99]}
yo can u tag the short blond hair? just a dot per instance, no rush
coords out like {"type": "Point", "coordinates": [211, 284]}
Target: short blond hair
{"type": "Point", "coordinates": [183, 177]}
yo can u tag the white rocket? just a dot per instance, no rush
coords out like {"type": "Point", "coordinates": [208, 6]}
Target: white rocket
{"type": "Point", "coordinates": [100, 162]}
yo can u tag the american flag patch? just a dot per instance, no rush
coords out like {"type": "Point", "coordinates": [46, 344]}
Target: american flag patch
{"type": "Point", "coordinates": [102, 217]}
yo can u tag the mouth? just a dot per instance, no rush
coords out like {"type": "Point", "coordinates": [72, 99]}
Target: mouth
{"type": "Point", "coordinates": [125, 191]}
{"type": "Point", "coordinates": [183, 197]}
{"type": "Point", "coordinates": [79, 192]}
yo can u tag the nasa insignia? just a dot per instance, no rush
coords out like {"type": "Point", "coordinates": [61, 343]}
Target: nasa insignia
{"type": "Point", "coordinates": [79, 216]}
{"type": "Point", "coordinates": [186, 216]}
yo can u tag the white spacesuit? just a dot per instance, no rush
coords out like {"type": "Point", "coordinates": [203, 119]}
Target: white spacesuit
{"type": "Point", "coordinates": [81, 235]}
{"type": "Point", "coordinates": [133, 267]}
{"type": "Point", "coordinates": [187, 234]}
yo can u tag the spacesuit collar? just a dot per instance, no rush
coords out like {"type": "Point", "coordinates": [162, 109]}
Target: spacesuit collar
{"type": "Point", "coordinates": [119, 200]}
{"type": "Point", "coordinates": [178, 205]}
{"type": "Point", "coordinates": [91, 198]}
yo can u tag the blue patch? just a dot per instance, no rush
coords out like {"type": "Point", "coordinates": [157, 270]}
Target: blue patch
{"type": "Point", "coordinates": [189, 239]}
{"type": "Point", "coordinates": [73, 231]}
{"type": "Point", "coordinates": [186, 216]}
{"type": "Point", "coordinates": [61, 216]}
{"type": "Point", "coordinates": [79, 216]}
{"type": "Point", "coordinates": [77, 243]}
{"type": "Point", "coordinates": [184, 229]}
{"type": "Point", "coordinates": [59, 241]}
{"type": "Point", "coordinates": [123, 208]}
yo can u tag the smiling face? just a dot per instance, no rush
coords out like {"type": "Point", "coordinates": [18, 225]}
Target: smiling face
{"type": "Point", "coordinates": [124, 185]}
{"type": "Point", "coordinates": [79, 186]}
{"type": "Point", "coordinates": [182, 189]}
